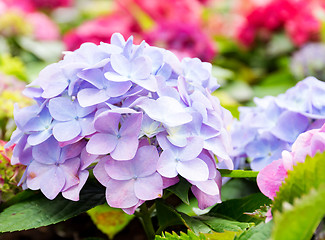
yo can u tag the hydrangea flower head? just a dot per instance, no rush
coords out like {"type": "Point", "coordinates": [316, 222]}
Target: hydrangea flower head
{"type": "Point", "coordinates": [264, 131]}
{"type": "Point", "coordinates": [137, 112]}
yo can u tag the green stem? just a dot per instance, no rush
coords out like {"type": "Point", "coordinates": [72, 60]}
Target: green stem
{"type": "Point", "coordinates": [145, 218]}
{"type": "Point", "coordinates": [238, 173]}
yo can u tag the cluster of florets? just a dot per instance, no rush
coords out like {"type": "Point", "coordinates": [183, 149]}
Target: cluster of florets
{"type": "Point", "coordinates": [140, 114]}
{"type": "Point", "coordinates": [264, 131]}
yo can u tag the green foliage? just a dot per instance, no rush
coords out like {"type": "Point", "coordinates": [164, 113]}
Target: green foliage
{"type": "Point", "coordinates": [238, 173]}
{"type": "Point", "coordinates": [304, 177]}
{"type": "Point", "coordinates": [181, 190]}
{"type": "Point", "coordinates": [300, 202]}
{"type": "Point", "coordinates": [260, 232]}
{"type": "Point", "coordinates": [36, 210]}
{"type": "Point", "coordinates": [109, 220]}
{"type": "Point", "coordinates": [300, 220]}
{"type": "Point", "coordinates": [191, 236]}
{"type": "Point", "coordinates": [238, 188]}
{"type": "Point", "coordinates": [236, 209]}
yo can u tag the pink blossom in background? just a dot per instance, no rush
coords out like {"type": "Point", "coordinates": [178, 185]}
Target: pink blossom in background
{"type": "Point", "coordinates": [44, 29]}
{"type": "Point", "coordinates": [52, 4]}
{"type": "Point", "coordinates": [273, 175]}
{"type": "Point", "coordinates": [185, 40]}
{"type": "Point", "coordinates": [170, 10]}
{"type": "Point", "coordinates": [101, 30]}
{"type": "Point", "coordinates": [295, 17]}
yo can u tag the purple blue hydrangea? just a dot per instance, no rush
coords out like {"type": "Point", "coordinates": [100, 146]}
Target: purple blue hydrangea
{"type": "Point", "coordinates": [273, 125]}
{"type": "Point", "coordinates": [136, 112]}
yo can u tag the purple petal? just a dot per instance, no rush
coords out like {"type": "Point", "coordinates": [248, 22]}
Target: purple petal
{"type": "Point", "coordinates": [126, 148]}
{"type": "Point", "coordinates": [91, 96]}
{"type": "Point", "coordinates": [145, 161]}
{"type": "Point", "coordinates": [87, 125]}
{"type": "Point", "coordinates": [38, 138]}
{"type": "Point", "coordinates": [53, 182]}
{"type": "Point", "coordinates": [47, 152]}
{"type": "Point", "coordinates": [192, 150]}
{"type": "Point", "coordinates": [209, 187]}
{"type": "Point", "coordinates": [167, 164]}
{"type": "Point", "coordinates": [65, 131]}
{"type": "Point", "coordinates": [73, 192]}
{"type": "Point", "coordinates": [100, 172]}
{"type": "Point", "coordinates": [107, 122]}
{"type": "Point", "coordinates": [70, 169]}
{"type": "Point", "coordinates": [289, 126]}
{"type": "Point", "coordinates": [131, 210]}
{"type": "Point", "coordinates": [204, 199]}
{"type": "Point", "coordinates": [35, 173]}
{"type": "Point", "coordinates": [131, 126]}
{"type": "Point", "coordinates": [72, 150]}
{"type": "Point", "coordinates": [194, 170]}
{"type": "Point", "coordinates": [101, 143]}
{"type": "Point", "coordinates": [149, 187]}
{"type": "Point", "coordinates": [121, 64]}
{"type": "Point", "coordinates": [141, 68]}
{"type": "Point", "coordinates": [117, 78]}
{"type": "Point", "coordinates": [120, 194]}
{"type": "Point", "coordinates": [86, 159]}
{"type": "Point", "coordinates": [66, 113]}
{"type": "Point", "coordinates": [119, 170]}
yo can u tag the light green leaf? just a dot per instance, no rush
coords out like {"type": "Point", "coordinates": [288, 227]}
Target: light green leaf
{"type": "Point", "coordinates": [109, 220]}
{"type": "Point", "coordinates": [202, 236]}
{"type": "Point", "coordinates": [238, 173]}
{"type": "Point", "coordinates": [221, 225]}
{"type": "Point", "coordinates": [37, 211]}
{"type": "Point", "coordinates": [260, 232]}
{"type": "Point", "coordinates": [300, 220]}
{"type": "Point", "coordinates": [304, 177]}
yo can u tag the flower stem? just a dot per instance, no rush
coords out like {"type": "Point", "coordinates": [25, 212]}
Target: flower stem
{"type": "Point", "coordinates": [238, 173]}
{"type": "Point", "coordinates": [145, 219]}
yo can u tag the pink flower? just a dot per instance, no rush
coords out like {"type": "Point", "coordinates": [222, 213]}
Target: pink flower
{"type": "Point", "coordinates": [44, 29]}
{"type": "Point", "coordinates": [101, 30]}
{"type": "Point", "coordinates": [184, 39]}
{"type": "Point", "coordinates": [292, 16]}
{"type": "Point", "coordinates": [51, 4]}
{"type": "Point", "coordinates": [271, 177]}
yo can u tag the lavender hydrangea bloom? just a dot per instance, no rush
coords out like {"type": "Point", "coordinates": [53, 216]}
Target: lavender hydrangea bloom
{"type": "Point", "coordinates": [264, 131]}
{"type": "Point", "coordinates": [140, 115]}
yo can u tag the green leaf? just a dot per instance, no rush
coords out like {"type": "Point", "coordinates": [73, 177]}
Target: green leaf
{"type": "Point", "coordinates": [192, 236]}
{"type": "Point", "coordinates": [221, 225]}
{"type": "Point", "coordinates": [37, 211]}
{"type": "Point", "coordinates": [235, 209]}
{"type": "Point", "coordinates": [304, 177]}
{"type": "Point", "coordinates": [260, 232]}
{"type": "Point", "coordinates": [181, 190]}
{"type": "Point", "coordinates": [167, 216]}
{"type": "Point", "coordinates": [238, 173]}
{"type": "Point", "coordinates": [238, 188]}
{"type": "Point", "coordinates": [109, 220]}
{"type": "Point", "coordinates": [300, 220]}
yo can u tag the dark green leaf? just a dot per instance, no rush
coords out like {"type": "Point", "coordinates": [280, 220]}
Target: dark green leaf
{"type": "Point", "coordinates": [238, 188]}
{"type": "Point", "coordinates": [37, 210]}
{"type": "Point", "coordinates": [167, 216]}
{"type": "Point", "coordinates": [235, 209]}
{"type": "Point", "coordinates": [181, 190]}
{"type": "Point", "coordinates": [221, 225]}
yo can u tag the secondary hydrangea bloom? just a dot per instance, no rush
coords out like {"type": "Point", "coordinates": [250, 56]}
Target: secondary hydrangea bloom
{"type": "Point", "coordinates": [144, 117]}
{"type": "Point", "coordinates": [309, 61]}
{"type": "Point", "coordinates": [295, 17]}
{"type": "Point", "coordinates": [264, 131]}
{"type": "Point", "coordinates": [273, 175]}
